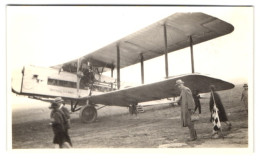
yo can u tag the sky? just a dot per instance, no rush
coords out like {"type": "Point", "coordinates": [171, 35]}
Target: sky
{"type": "Point", "coordinates": [51, 35]}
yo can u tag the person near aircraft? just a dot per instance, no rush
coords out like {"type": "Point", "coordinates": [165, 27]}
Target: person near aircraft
{"type": "Point", "coordinates": [66, 113]}
{"type": "Point", "coordinates": [244, 96]}
{"type": "Point", "coordinates": [87, 75]}
{"type": "Point", "coordinates": [187, 104]}
{"type": "Point", "coordinates": [215, 100]}
{"type": "Point", "coordinates": [133, 109]}
{"type": "Point", "coordinates": [60, 126]}
{"type": "Point", "coordinates": [196, 98]}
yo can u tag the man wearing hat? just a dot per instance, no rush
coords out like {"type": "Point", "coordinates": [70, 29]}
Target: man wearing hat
{"type": "Point", "coordinates": [59, 123]}
{"type": "Point", "coordinates": [244, 96]}
{"type": "Point", "coordinates": [187, 104]}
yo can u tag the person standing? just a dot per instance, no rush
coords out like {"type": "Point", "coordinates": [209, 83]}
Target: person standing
{"type": "Point", "coordinates": [133, 109]}
{"type": "Point", "coordinates": [187, 105]}
{"type": "Point", "coordinates": [196, 98]}
{"type": "Point", "coordinates": [59, 126]}
{"type": "Point", "coordinates": [65, 112]}
{"type": "Point", "coordinates": [244, 96]}
{"type": "Point", "coordinates": [215, 100]}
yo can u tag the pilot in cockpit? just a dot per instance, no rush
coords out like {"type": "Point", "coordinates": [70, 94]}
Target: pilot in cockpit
{"type": "Point", "coordinates": [87, 76]}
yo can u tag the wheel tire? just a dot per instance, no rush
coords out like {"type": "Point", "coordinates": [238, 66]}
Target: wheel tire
{"type": "Point", "coordinates": [88, 114]}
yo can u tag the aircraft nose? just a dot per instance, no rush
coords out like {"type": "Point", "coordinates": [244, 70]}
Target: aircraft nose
{"type": "Point", "coordinates": [16, 79]}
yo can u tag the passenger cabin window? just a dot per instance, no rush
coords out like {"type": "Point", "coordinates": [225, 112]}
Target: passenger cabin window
{"type": "Point", "coordinates": [62, 83]}
{"type": "Point", "coordinates": [101, 87]}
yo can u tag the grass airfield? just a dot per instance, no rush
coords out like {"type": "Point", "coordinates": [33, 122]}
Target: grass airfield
{"type": "Point", "coordinates": [158, 127]}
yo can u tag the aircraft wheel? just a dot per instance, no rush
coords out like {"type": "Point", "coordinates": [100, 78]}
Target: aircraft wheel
{"type": "Point", "coordinates": [88, 114]}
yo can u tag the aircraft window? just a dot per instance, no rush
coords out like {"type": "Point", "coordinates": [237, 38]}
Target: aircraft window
{"type": "Point", "coordinates": [73, 85]}
{"type": "Point", "coordinates": [62, 83]}
{"type": "Point", "coordinates": [51, 82]}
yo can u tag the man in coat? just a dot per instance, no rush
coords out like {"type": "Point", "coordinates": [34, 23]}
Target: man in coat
{"type": "Point", "coordinates": [187, 104]}
{"type": "Point", "coordinates": [244, 96]}
{"type": "Point", "coordinates": [59, 125]}
{"type": "Point", "coordinates": [65, 112]}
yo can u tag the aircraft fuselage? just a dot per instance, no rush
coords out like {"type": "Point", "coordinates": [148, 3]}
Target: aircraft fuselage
{"type": "Point", "coordinates": [49, 82]}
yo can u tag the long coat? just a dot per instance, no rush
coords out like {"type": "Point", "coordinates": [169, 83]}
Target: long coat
{"type": "Point", "coordinates": [187, 103]}
{"type": "Point", "coordinates": [58, 127]}
{"type": "Point", "coordinates": [244, 98]}
{"type": "Point", "coordinates": [58, 121]}
{"type": "Point", "coordinates": [222, 113]}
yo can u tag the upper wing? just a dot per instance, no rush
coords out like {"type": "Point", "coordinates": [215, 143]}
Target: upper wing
{"type": "Point", "coordinates": [150, 40]}
{"type": "Point", "coordinates": [158, 90]}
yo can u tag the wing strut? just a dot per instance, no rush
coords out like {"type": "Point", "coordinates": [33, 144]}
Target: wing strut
{"type": "Point", "coordinates": [112, 70]}
{"type": "Point", "coordinates": [118, 66]}
{"type": "Point", "coordinates": [21, 90]}
{"type": "Point", "coordinates": [78, 79]}
{"type": "Point", "coordinates": [142, 67]}
{"type": "Point", "coordinates": [191, 53]}
{"type": "Point", "coordinates": [166, 50]}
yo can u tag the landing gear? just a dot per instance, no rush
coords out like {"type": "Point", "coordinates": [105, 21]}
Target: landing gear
{"type": "Point", "coordinates": [88, 114]}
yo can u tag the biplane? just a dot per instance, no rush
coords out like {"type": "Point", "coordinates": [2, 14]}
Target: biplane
{"type": "Point", "coordinates": [81, 84]}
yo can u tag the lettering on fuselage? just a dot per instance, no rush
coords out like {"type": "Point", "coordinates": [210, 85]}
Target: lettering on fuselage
{"type": "Point", "coordinates": [61, 91]}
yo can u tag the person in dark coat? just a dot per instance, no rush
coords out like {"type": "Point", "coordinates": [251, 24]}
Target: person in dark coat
{"type": "Point", "coordinates": [133, 109]}
{"type": "Point", "coordinates": [87, 76]}
{"type": "Point", "coordinates": [221, 110]}
{"type": "Point", "coordinates": [58, 122]}
{"type": "Point", "coordinates": [196, 98]}
{"type": "Point", "coordinates": [65, 112]}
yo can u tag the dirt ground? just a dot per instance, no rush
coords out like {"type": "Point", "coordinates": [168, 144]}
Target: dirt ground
{"type": "Point", "coordinates": [158, 127]}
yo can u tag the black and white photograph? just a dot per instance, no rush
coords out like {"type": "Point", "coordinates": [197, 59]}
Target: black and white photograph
{"type": "Point", "coordinates": [129, 76]}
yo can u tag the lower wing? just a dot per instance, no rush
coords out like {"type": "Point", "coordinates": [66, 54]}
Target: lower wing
{"type": "Point", "coordinates": [158, 90]}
